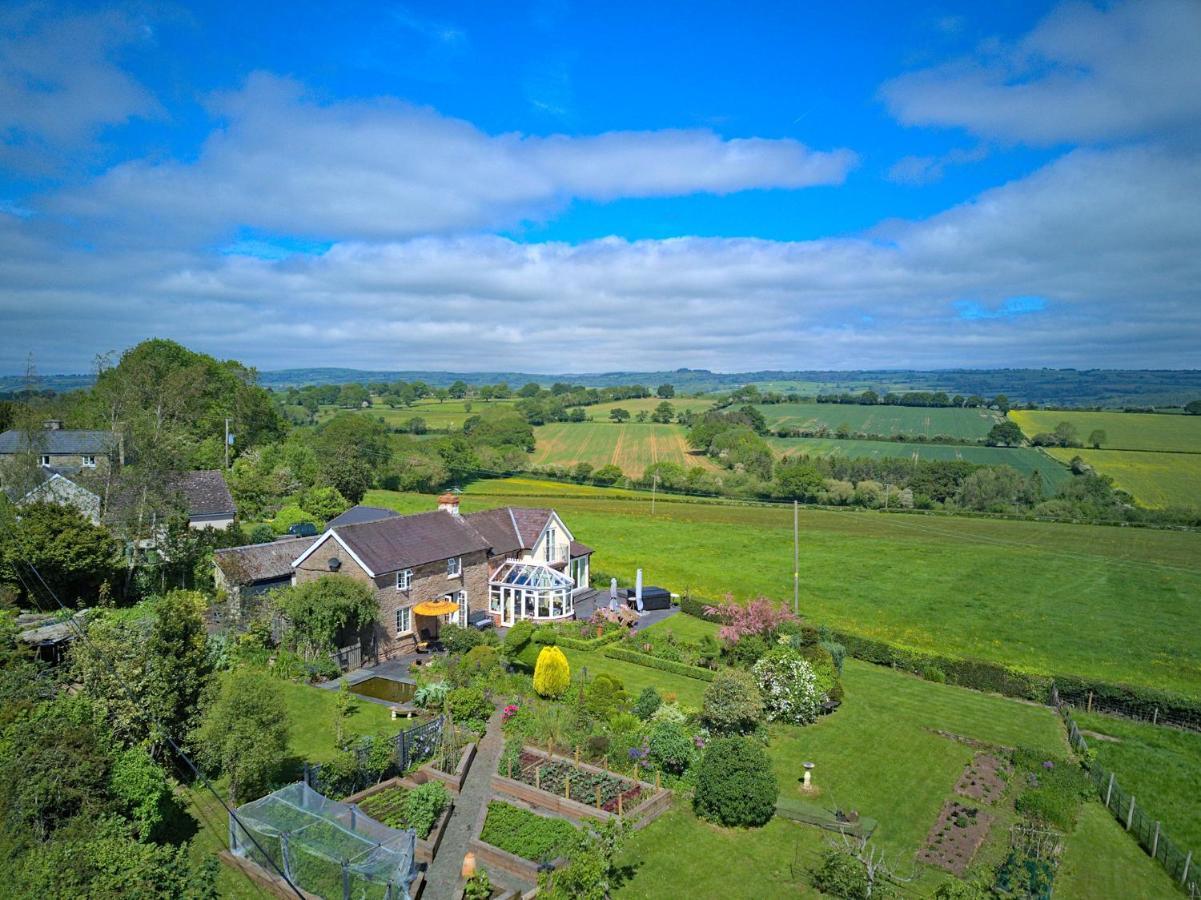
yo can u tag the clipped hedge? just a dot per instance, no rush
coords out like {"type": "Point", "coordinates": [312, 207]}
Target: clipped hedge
{"type": "Point", "coordinates": [992, 677]}
{"type": "Point", "coordinates": [665, 665]}
{"type": "Point", "coordinates": [694, 606]}
{"type": "Point", "coordinates": [548, 637]}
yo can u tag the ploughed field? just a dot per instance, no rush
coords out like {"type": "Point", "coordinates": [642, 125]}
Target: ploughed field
{"type": "Point", "coordinates": [969, 424]}
{"type": "Point", "coordinates": [1118, 604]}
{"type": "Point", "coordinates": [631, 447]}
{"type": "Point", "coordinates": [1026, 460]}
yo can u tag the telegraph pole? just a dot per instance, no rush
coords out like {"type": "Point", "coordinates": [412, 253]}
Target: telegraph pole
{"type": "Point", "coordinates": [796, 558]}
{"type": "Point", "coordinates": [227, 443]}
{"type": "Point", "coordinates": [654, 486]}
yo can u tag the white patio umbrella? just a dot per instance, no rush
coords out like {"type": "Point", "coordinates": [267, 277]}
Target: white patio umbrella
{"type": "Point", "coordinates": [638, 590]}
{"type": "Point", "coordinates": [612, 595]}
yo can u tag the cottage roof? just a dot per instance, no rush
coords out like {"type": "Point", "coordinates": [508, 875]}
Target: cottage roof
{"type": "Point", "coordinates": [578, 549]}
{"type": "Point", "coordinates": [388, 545]}
{"type": "Point", "coordinates": [356, 515]}
{"type": "Point", "coordinates": [58, 441]}
{"type": "Point", "coordinates": [205, 493]}
{"type": "Point", "coordinates": [260, 562]}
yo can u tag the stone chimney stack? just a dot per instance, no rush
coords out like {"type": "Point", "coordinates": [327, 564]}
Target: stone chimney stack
{"type": "Point", "coordinates": [449, 502]}
{"type": "Point", "coordinates": [53, 424]}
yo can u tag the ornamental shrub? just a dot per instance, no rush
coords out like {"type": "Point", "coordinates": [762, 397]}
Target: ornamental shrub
{"type": "Point", "coordinates": [748, 651]}
{"type": "Point", "coordinates": [552, 674]}
{"type": "Point", "coordinates": [671, 747]}
{"type": "Point", "coordinates": [432, 693]}
{"type": "Point", "coordinates": [606, 695]}
{"type": "Point", "coordinates": [735, 784]}
{"type": "Point", "coordinates": [517, 639]}
{"type": "Point", "coordinates": [789, 687]}
{"type": "Point", "coordinates": [468, 705]}
{"type": "Point", "coordinates": [732, 703]}
{"type": "Point", "coordinates": [670, 712]}
{"type": "Point", "coordinates": [840, 874]}
{"type": "Point", "coordinates": [459, 640]}
{"type": "Point", "coordinates": [480, 660]}
{"type": "Point", "coordinates": [646, 704]}
{"type": "Point", "coordinates": [822, 664]}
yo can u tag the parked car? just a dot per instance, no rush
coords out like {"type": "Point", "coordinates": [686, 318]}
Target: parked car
{"type": "Point", "coordinates": [303, 529]}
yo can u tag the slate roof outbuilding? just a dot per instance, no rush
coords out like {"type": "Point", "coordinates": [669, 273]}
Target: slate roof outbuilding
{"type": "Point", "coordinates": [260, 562]}
{"type": "Point", "coordinates": [205, 493]}
{"type": "Point", "coordinates": [59, 441]}
{"type": "Point", "coordinates": [357, 515]}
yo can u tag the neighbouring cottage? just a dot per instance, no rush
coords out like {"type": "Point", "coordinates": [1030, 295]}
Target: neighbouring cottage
{"type": "Point", "coordinates": [246, 573]}
{"type": "Point", "coordinates": [205, 497]}
{"type": "Point", "coordinates": [514, 562]}
{"type": "Point", "coordinates": [67, 450]}
{"type": "Point", "coordinates": [56, 487]}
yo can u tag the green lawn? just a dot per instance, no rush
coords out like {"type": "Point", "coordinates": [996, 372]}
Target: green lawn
{"type": "Point", "coordinates": [1024, 459]}
{"type": "Point", "coordinates": [1123, 431]}
{"type": "Point", "coordinates": [1054, 598]}
{"type": "Point", "coordinates": [886, 420]}
{"type": "Point", "coordinates": [1160, 766]}
{"type": "Point", "coordinates": [1103, 861]}
{"type": "Point", "coordinates": [878, 754]}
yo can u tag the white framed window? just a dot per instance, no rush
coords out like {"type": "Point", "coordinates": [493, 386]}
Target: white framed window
{"type": "Point", "coordinates": [550, 545]}
{"type": "Point", "coordinates": [44, 460]}
{"type": "Point", "coordinates": [404, 621]}
{"type": "Point", "coordinates": [454, 567]}
{"type": "Point", "coordinates": [404, 579]}
{"type": "Point", "coordinates": [459, 616]}
{"type": "Point", "coordinates": [88, 462]}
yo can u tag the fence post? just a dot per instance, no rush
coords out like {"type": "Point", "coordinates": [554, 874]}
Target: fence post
{"type": "Point", "coordinates": [1188, 861]}
{"type": "Point", "coordinates": [1130, 813]}
{"type": "Point", "coordinates": [1155, 841]}
{"type": "Point", "coordinates": [1109, 790]}
{"type": "Point", "coordinates": [345, 881]}
{"type": "Point", "coordinates": [1155, 718]}
{"type": "Point", "coordinates": [1090, 701]}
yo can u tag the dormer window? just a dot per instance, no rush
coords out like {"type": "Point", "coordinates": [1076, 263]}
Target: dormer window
{"type": "Point", "coordinates": [550, 545]}
{"type": "Point", "coordinates": [454, 567]}
{"type": "Point", "coordinates": [404, 579]}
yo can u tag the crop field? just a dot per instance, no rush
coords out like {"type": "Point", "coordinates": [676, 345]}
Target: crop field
{"type": "Point", "coordinates": [1123, 431]}
{"type": "Point", "coordinates": [1156, 480]}
{"type": "Point", "coordinates": [1025, 459]}
{"type": "Point", "coordinates": [1052, 598]}
{"type": "Point", "coordinates": [968, 424]}
{"type": "Point", "coordinates": [600, 411]}
{"type": "Point", "coordinates": [448, 414]}
{"type": "Point", "coordinates": [631, 447]}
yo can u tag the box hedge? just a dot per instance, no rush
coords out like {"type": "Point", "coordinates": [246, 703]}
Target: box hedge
{"type": "Point", "coordinates": [665, 665]}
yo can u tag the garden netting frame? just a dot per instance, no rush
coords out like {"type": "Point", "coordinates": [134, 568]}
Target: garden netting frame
{"type": "Point", "coordinates": [325, 847]}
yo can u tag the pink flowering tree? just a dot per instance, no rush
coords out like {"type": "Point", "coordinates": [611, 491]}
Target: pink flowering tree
{"type": "Point", "coordinates": [759, 616]}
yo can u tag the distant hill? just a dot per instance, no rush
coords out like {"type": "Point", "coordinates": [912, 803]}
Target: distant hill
{"type": "Point", "coordinates": [1114, 388]}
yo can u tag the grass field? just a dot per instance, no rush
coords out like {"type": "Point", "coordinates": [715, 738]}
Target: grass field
{"type": "Point", "coordinates": [1123, 431]}
{"type": "Point", "coordinates": [1160, 766]}
{"type": "Point", "coordinates": [631, 447]}
{"type": "Point", "coordinates": [878, 754]}
{"type": "Point", "coordinates": [1156, 480]}
{"type": "Point", "coordinates": [600, 412]}
{"type": "Point", "coordinates": [1025, 459]}
{"type": "Point", "coordinates": [1053, 598]}
{"type": "Point", "coordinates": [450, 414]}
{"type": "Point", "coordinates": [886, 420]}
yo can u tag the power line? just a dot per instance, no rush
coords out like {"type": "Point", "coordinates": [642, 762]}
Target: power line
{"type": "Point", "coordinates": [196, 772]}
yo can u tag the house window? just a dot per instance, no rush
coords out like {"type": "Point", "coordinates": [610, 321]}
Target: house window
{"type": "Point", "coordinates": [44, 460]}
{"type": "Point", "coordinates": [88, 462]}
{"type": "Point", "coordinates": [404, 621]}
{"type": "Point", "coordinates": [454, 567]}
{"type": "Point", "coordinates": [404, 579]}
{"type": "Point", "coordinates": [550, 545]}
{"type": "Point", "coordinates": [459, 616]}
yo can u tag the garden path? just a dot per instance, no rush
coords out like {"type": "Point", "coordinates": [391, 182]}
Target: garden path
{"type": "Point", "coordinates": [442, 877]}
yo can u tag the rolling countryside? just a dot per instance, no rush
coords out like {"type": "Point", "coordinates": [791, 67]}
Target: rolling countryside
{"type": "Point", "coordinates": [1157, 480]}
{"type": "Point", "coordinates": [1123, 431]}
{"type": "Point", "coordinates": [956, 422]}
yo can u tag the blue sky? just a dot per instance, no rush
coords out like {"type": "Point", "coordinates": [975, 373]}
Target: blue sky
{"type": "Point", "coordinates": [560, 186]}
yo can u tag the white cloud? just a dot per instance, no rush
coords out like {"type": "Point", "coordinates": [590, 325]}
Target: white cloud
{"type": "Point", "coordinates": [1084, 73]}
{"type": "Point", "coordinates": [918, 170]}
{"type": "Point", "coordinates": [382, 169]}
{"type": "Point", "coordinates": [1106, 242]}
{"type": "Point", "coordinates": [59, 83]}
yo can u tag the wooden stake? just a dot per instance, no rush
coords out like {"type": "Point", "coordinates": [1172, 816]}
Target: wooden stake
{"type": "Point", "coordinates": [577, 756]}
{"type": "Point", "coordinates": [598, 800]}
{"type": "Point", "coordinates": [657, 786]}
{"type": "Point", "coordinates": [619, 802]}
{"type": "Point", "coordinates": [538, 777]}
{"type": "Point", "coordinates": [567, 788]}
{"type": "Point", "coordinates": [1130, 813]}
{"type": "Point", "coordinates": [510, 769]}
{"type": "Point", "coordinates": [1090, 701]}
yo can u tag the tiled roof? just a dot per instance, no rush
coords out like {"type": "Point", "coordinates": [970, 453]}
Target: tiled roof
{"type": "Point", "coordinates": [407, 541]}
{"type": "Point", "coordinates": [530, 521]}
{"type": "Point", "coordinates": [497, 527]}
{"type": "Point", "coordinates": [260, 562]}
{"type": "Point", "coordinates": [59, 441]}
{"type": "Point", "coordinates": [356, 515]}
{"type": "Point", "coordinates": [205, 493]}
{"type": "Point", "coordinates": [578, 549]}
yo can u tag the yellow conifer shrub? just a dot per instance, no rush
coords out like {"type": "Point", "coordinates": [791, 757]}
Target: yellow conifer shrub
{"type": "Point", "coordinates": [552, 674]}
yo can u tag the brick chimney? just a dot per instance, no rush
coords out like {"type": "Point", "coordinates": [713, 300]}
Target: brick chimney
{"type": "Point", "coordinates": [449, 502]}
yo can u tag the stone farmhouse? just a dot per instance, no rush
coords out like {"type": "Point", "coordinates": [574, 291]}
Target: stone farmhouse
{"type": "Point", "coordinates": [505, 564]}
{"type": "Point", "coordinates": [65, 450]}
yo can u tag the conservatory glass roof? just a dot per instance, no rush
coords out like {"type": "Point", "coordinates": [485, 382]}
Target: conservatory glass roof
{"type": "Point", "coordinates": [530, 575]}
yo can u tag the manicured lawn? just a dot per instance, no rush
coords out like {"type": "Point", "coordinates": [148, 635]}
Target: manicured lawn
{"type": "Point", "coordinates": [1026, 460]}
{"type": "Point", "coordinates": [886, 420]}
{"type": "Point", "coordinates": [1160, 766]}
{"type": "Point", "coordinates": [1155, 480]}
{"type": "Point", "coordinates": [1054, 598]}
{"type": "Point", "coordinates": [1123, 431]}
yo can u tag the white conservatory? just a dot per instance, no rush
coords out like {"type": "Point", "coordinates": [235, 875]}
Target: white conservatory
{"type": "Point", "coordinates": [528, 590]}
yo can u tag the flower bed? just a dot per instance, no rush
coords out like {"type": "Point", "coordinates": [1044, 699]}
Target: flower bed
{"type": "Point", "coordinates": [955, 837]}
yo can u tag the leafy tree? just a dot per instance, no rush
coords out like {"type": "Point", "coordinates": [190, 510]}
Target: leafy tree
{"type": "Point", "coordinates": [607, 475]}
{"type": "Point", "coordinates": [1096, 438]}
{"type": "Point", "coordinates": [732, 703]}
{"type": "Point", "coordinates": [459, 458]}
{"type": "Point", "coordinates": [666, 391]}
{"type": "Point", "coordinates": [1001, 402]}
{"type": "Point", "coordinates": [1193, 408]}
{"type": "Point", "coordinates": [352, 396]}
{"type": "Point", "coordinates": [618, 414]}
{"type": "Point", "coordinates": [552, 674]}
{"type": "Point", "coordinates": [143, 791]}
{"type": "Point", "coordinates": [319, 611]}
{"type": "Point", "coordinates": [1065, 433]}
{"type": "Point", "coordinates": [1005, 434]}
{"type": "Point", "coordinates": [244, 733]}
{"type": "Point", "coordinates": [663, 413]}
{"type": "Point", "coordinates": [351, 451]}
{"type": "Point", "coordinates": [74, 556]}
{"type": "Point", "coordinates": [735, 784]}
{"type": "Point", "coordinates": [840, 874]}
{"type": "Point", "coordinates": [798, 480]}
{"type": "Point", "coordinates": [324, 503]}
{"type": "Point", "coordinates": [261, 534]}
{"type": "Point", "coordinates": [458, 390]}
{"type": "Point", "coordinates": [529, 389]}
